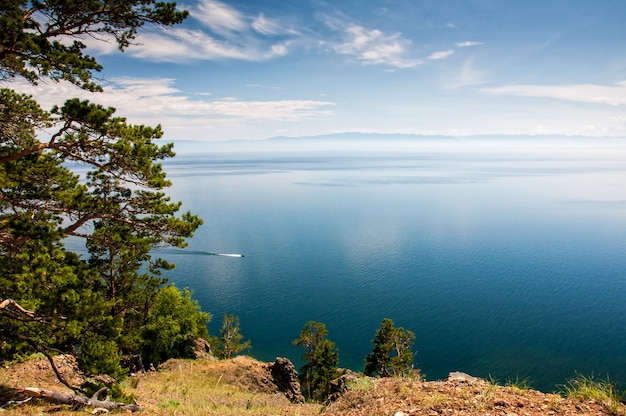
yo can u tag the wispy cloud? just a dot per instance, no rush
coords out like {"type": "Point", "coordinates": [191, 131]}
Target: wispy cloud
{"type": "Point", "coordinates": [269, 87]}
{"type": "Point", "coordinates": [466, 75]}
{"type": "Point", "coordinates": [146, 101]}
{"type": "Point", "coordinates": [219, 17]}
{"type": "Point", "coordinates": [440, 54]}
{"type": "Point", "coordinates": [178, 44]}
{"type": "Point", "coordinates": [224, 33]}
{"type": "Point", "coordinates": [614, 95]}
{"type": "Point", "coordinates": [468, 43]}
{"type": "Point", "coordinates": [374, 47]}
{"type": "Point", "coordinates": [266, 26]}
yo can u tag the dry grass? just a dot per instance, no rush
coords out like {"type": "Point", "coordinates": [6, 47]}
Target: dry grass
{"type": "Point", "coordinates": [182, 387]}
{"type": "Point", "coordinates": [231, 387]}
{"type": "Point", "coordinates": [599, 390]}
{"type": "Point", "coordinates": [241, 386]}
{"type": "Point", "coordinates": [412, 397]}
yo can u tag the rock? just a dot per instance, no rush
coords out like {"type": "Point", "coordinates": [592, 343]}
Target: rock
{"type": "Point", "coordinates": [339, 385]}
{"type": "Point", "coordinates": [459, 376]}
{"type": "Point", "coordinates": [201, 349]}
{"type": "Point", "coordinates": [68, 368]}
{"type": "Point", "coordinates": [133, 363]}
{"type": "Point", "coordinates": [285, 376]}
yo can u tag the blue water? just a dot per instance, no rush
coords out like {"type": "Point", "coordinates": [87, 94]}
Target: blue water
{"type": "Point", "coordinates": [506, 259]}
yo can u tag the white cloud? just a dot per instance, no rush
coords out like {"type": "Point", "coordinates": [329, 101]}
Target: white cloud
{"type": "Point", "coordinates": [266, 26]}
{"type": "Point", "coordinates": [440, 55]}
{"type": "Point", "coordinates": [183, 45]}
{"type": "Point", "coordinates": [103, 44]}
{"type": "Point", "coordinates": [177, 44]}
{"type": "Point", "coordinates": [589, 93]}
{"type": "Point", "coordinates": [467, 43]}
{"type": "Point", "coordinates": [270, 87]}
{"type": "Point", "coordinates": [228, 34]}
{"type": "Point", "coordinates": [158, 101]}
{"type": "Point", "coordinates": [219, 17]}
{"type": "Point", "coordinates": [277, 50]}
{"type": "Point", "coordinates": [374, 47]}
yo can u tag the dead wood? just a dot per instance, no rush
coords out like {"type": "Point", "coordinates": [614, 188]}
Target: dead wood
{"type": "Point", "coordinates": [74, 399]}
{"type": "Point", "coordinates": [5, 303]}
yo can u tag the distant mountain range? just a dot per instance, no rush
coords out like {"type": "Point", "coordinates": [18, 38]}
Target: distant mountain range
{"type": "Point", "coordinates": [335, 140]}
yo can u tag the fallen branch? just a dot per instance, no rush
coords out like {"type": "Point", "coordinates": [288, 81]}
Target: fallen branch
{"type": "Point", "coordinates": [5, 303]}
{"type": "Point", "coordinates": [12, 402]}
{"type": "Point", "coordinates": [74, 399]}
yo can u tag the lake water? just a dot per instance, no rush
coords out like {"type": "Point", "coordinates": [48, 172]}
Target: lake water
{"type": "Point", "coordinates": [504, 257]}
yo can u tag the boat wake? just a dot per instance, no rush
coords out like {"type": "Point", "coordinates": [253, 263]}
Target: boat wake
{"type": "Point", "coordinates": [197, 253]}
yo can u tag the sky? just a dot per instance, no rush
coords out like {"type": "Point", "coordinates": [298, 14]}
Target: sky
{"type": "Point", "coordinates": [254, 69]}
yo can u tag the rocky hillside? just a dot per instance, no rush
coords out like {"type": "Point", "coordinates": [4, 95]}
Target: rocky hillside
{"type": "Point", "coordinates": [244, 386]}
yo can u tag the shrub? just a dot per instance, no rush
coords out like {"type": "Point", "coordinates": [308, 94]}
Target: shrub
{"type": "Point", "coordinates": [174, 321]}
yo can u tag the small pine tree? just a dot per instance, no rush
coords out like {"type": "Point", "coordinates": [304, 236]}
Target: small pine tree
{"type": "Point", "coordinates": [229, 342]}
{"type": "Point", "coordinates": [322, 357]}
{"type": "Point", "coordinates": [392, 353]}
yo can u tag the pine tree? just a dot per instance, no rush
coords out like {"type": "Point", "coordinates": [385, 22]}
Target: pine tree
{"type": "Point", "coordinates": [322, 357]}
{"type": "Point", "coordinates": [229, 343]}
{"type": "Point", "coordinates": [391, 354]}
{"type": "Point", "coordinates": [51, 299]}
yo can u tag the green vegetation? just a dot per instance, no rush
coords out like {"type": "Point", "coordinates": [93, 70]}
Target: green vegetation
{"type": "Point", "coordinates": [52, 300]}
{"type": "Point", "coordinates": [229, 343]}
{"type": "Point", "coordinates": [174, 321]}
{"type": "Point", "coordinates": [392, 354]}
{"type": "Point", "coordinates": [589, 388]}
{"type": "Point", "coordinates": [518, 383]}
{"type": "Point", "coordinates": [322, 358]}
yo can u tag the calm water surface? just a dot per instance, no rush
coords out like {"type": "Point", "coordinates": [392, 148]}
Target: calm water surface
{"type": "Point", "coordinates": [505, 259]}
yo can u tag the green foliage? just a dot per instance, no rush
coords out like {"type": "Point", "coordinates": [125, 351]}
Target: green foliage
{"type": "Point", "coordinates": [174, 321]}
{"type": "Point", "coordinates": [102, 306]}
{"type": "Point", "coordinates": [322, 357]}
{"type": "Point", "coordinates": [31, 33]}
{"type": "Point", "coordinates": [229, 343]}
{"type": "Point", "coordinates": [100, 355]}
{"type": "Point", "coordinates": [391, 354]}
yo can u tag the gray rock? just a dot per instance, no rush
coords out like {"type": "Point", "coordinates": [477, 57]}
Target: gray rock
{"type": "Point", "coordinates": [201, 348]}
{"type": "Point", "coordinates": [285, 376]}
{"type": "Point", "coordinates": [459, 376]}
{"type": "Point", "coordinates": [340, 385]}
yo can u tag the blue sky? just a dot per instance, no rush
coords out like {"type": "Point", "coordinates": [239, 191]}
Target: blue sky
{"type": "Point", "coordinates": [264, 68]}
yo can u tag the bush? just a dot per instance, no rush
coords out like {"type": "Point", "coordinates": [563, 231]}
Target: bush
{"type": "Point", "coordinates": [174, 321]}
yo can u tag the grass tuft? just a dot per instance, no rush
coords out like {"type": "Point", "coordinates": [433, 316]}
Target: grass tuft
{"type": "Point", "coordinates": [361, 383]}
{"type": "Point", "coordinates": [589, 388]}
{"type": "Point", "coordinates": [518, 383]}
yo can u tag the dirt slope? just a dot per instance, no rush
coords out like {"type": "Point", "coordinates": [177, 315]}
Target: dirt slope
{"type": "Point", "coordinates": [409, 397]}
{"type": "Point", "coordinates": [241, 387]}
